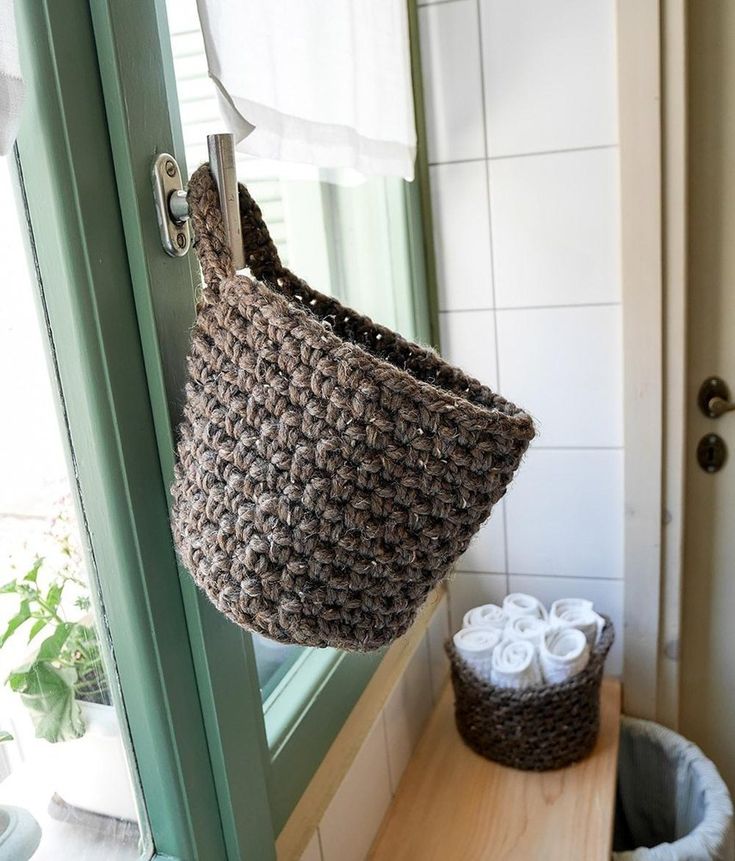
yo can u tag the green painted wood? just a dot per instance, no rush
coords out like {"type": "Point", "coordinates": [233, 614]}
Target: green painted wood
{"type": "Point", "coordinates": [418, 201]}
{"type": "Point", "coordinates": [136, 69]}
{"type": "Point", "coordinates": [89, 310]}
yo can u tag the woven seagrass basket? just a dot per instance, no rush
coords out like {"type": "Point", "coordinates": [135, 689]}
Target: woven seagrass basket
{"type": "Point", "coordinates": [535, 729]}
{"type": "Point", "coordinates": [329, 472]}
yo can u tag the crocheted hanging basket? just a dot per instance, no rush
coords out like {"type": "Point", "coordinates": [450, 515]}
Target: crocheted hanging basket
{"type": "Point", "coordinates": [537, 728]}
{"type": "Point", "coordinates": [329, 472]}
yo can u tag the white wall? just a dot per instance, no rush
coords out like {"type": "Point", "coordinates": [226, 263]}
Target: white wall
{"type": "Point", "coordinates": [354, 815]}
{"type": "Point", "coordinates": [522, 121]}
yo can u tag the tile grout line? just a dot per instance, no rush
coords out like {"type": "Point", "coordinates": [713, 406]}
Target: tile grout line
{"type": "Point", "coordinates": [563, 306]}
{"type": "Point", "coordinates": [459, 571]}
{"type": "Point", "coordinates": [504, 508]}
{"type": "Point", "coordinates": [391, 778]}
{"type": "Point", "coordinates": [577, 447]}
{"type": "Point", "coordinates": [436, 3]}
{"type": "Point", "coordinates": [535, 154]}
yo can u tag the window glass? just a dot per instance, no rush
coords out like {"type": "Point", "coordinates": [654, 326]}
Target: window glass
{"type": "Point", "coordinates": [66, 784]}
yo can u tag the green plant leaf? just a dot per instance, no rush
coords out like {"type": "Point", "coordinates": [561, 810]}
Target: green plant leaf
{"type": "Point", "coordinates": [51, 647]}
{"type": "Point", "coordinates": [10, 586]}
{"type": "Point", "coordinates": [54, 595]}
{"type": "Point", "coordinates": [37, 627]}
{"type": "Point", "coordinates": [32, 575]}
{"type": "Point", "coordinates": [23, 614]}
{"type": "Point", "coordinates": [17, 678]}
{"type": "Point", "coordinates": [5, 736]}
{"type": "Point", "coordinates": [48, 695]}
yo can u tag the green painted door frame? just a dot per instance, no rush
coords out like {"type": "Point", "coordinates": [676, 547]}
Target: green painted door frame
{"type": "Point", "coordinates": [136, 71]}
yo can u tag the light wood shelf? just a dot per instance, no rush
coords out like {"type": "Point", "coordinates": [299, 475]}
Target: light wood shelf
{"type": "Point", "coordinates": [453, 804]}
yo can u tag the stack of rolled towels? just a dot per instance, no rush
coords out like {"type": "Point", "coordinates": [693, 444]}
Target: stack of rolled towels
{"type": "Point", "coordinates": [521, 644]}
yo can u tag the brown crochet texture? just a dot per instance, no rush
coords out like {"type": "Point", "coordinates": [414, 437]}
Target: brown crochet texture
{"type": "Point", "coordinates": [329, 471]}
{"type": "Point", "coordinates": [537, 728]}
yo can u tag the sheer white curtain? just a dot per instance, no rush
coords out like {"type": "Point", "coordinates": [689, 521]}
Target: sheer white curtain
{"type": "Point", "coordinates": [318, 82]}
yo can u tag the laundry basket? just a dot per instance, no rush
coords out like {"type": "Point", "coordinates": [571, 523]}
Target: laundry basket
{"type": "Point", "coordinates": [672, 804]}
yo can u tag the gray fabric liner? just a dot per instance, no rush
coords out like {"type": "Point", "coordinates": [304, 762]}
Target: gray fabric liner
{"type": "Point", "coordinates": [672, 804]}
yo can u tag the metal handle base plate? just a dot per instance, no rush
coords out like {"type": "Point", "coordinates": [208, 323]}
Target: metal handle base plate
{"type": "Point", "coordinates": [167, 185]}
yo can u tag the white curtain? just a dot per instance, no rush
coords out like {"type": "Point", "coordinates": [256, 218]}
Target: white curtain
{"type": "Point", "coordinates": [319, 82]}
{"type": "Point", "coordinates": [11, 83]}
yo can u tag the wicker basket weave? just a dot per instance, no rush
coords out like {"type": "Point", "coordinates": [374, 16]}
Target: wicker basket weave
{"type": "Point", "coordinates": [535, 729]}
{"type": "Point", "coordinates": [329, 472]}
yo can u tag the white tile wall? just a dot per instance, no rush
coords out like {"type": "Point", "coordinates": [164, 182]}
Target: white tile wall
{"type": "Point", "coordinates": [353, 817]}
{"type": "Point", "coordinates": [564, 514]}
{"type": "Point", "coordinates": [406, 712]}
{"type": "Point", "coordinates": [536, 309]}
{"type": "Point", "coordinates": [565, 366]}
{"type": "Point", "coordinates": [555, 228]}
{"type": "Point", "coordinates": [437, 635]}
{"type": "Point", "coordinates": [549, 74]}
{"type": "Point", "coordinates": [450, 58]}
{"type": "Point", "coordinates": [468, 340]}
{"type": "Point", "coordinates": [462, 235]}
{"type": "Point", "coordinates": [487, 549]}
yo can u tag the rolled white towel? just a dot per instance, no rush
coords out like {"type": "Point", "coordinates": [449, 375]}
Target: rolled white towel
{"type": "Point", "coordinates": [567, 603]}
{"type": "Point", "coordinates": [529, 628]}
{"type": "Point", "coordinates": [485, 616]}
{"type": "Point", "coordinates": [476, 647]}
{"type": "Point", "coordinates": [564, 653]}
{"type": "Point", "coordinates": [520, 604]}
{"type": "Point", "coordinates": [577, 613]}
{"type": "Point", "coordinates": [515, 665]}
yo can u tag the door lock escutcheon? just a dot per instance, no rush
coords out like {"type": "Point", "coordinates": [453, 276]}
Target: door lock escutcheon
{"type": "Point", "coordinates": [711, 452]}
{"type": "Point", "coordinates": [714, 398]}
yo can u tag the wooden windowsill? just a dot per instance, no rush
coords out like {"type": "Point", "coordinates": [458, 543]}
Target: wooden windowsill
{"type": "Point", "coordinates": [452, 803]}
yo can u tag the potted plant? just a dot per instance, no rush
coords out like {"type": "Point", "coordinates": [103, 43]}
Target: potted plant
{"type": "Point", "coordinates": [63, 684]}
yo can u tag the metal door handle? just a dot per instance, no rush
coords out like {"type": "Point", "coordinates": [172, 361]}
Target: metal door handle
{"type": "Point", "coordinates": [719, 406]}
{"type": "Point", "coordinates": [714, 398]}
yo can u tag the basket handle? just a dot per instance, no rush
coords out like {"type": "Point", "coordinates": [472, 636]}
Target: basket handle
{"type": "Point", "coordinates": [210, 239]}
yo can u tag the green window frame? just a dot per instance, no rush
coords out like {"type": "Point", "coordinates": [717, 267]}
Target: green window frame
{"type": "Point", "coordinates": [219, 777]}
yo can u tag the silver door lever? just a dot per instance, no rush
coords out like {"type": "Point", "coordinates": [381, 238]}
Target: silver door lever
{"type": "Point", "coordinates": [719, 406]}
